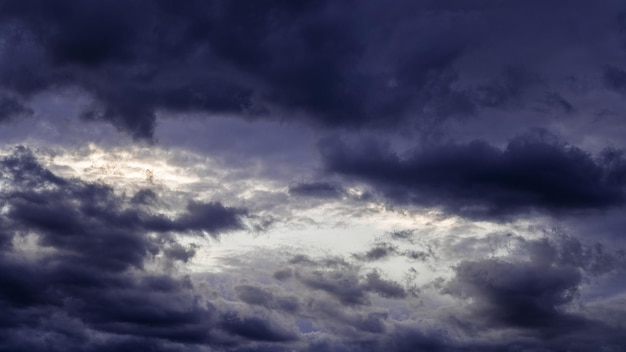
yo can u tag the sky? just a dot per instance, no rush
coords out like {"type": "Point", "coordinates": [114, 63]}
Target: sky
{"type": "Point", "coordinates": [407, 175]}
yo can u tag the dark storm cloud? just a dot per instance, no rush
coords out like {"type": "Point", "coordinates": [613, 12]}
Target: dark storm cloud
{"type": "Point", "coordinates": [332, 63]}
{"type": "Point", "coordinates": [72, 208]}
{"type": "Point", "coordinates": [533, 292]}
{"type": "Point", "coordinates": [217, 56]}
{"type": "Point", "coordinates": [534, 172]}
{"type": "Point", "coordinates": [518, 294]}
{"type": "Point", "coordinates": [86, 268]}
{"type": "Point", "coordinates": [87, 287]}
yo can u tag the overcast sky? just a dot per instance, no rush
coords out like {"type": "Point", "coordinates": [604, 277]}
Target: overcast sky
{"type": "Point", "coordinates": [349, 175]}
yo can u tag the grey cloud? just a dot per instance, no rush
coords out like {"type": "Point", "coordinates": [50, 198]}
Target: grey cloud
{"type": "Point", "coordinates": [525, 294]}
{"type": "Point", "coordinates": [534, 172]}
{"type": "Point", "coordinates": [176, 251]}
{"type": "Point", "coordinates": [385, 288]}
{"type": "Point", "coordinates": [255, 328]}
{"type": "Point", "coordinates": [406, 235]}
{"type": "Point", "coordinates": [255, 295]}
{"type": "Point", "coordinates": [90, 270]}
{"type": "Point", "coordinates": [85, 268]}
{"type": "Point", "coordinates": [529, 297]}
{"type": "Point", "coordinates": [316, 189]}
{"type": "Point", "coordinates": [534, 290]}
{"type": "Point", "coordinates": [593, 258]}
{"type": "Point", "coordinates": [126, 56]}
{"type": "Point", "coordinates": [519, 295]}
{"type": "Point", "coordinates": [144, 196]}
{"type": "Point", "coordinates": [349, 288]}
{"type": "Point", "coordinates": [283, 274]}
{"type": "Point", "coordinates": [346, 287]}
{"type": "Point", "coordinates": [378, 252]}
{"type": "Point", "coordinates": [317, 62]}
{"type": "Point", "coordinates": [210, 217]}
{"type": "Point", "coordinates": [399, 243]}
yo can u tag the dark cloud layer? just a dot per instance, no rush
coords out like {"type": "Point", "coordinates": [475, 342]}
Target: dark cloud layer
{"type": "Point", "coordinates": [332, 63]}
{"type": "Point", "coordinates": [530, 295]}
{"type": "Point", "coordinates": [86, 267]}
{"type": "Point", "coordinates": [216, 56]}
{"type": "Point", "coordinates": [88, 288]}
{"type": "Point", "coordinates": [534, 172]}
{"type": "Point", "coordinates": [529, 298]}
{"type": "Point", "coordinates": [89, 280]}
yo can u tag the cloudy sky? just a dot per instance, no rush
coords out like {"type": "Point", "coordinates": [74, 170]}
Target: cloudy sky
{"type": "Point", "coordinates": [407, 175]}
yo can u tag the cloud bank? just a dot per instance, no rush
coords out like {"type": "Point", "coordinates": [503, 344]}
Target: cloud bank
{"type": "Point", "coordinates": [312, 175]}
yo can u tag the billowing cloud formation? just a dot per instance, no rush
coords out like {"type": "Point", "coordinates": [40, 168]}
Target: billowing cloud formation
{"type": "Point", "coordinates": [530, 294]}
{"type": "Point", "coordinates": [336, 64]}
{"type": "Point", "coordinates": [87, 272]}
{"type": "Point", "coordinates": [84, 268]}
{"type": "Point", "coordinates": [531, 297]}
{"type": "Point", "coordinates": [217, 56]}
{"type": "Point", "coordinates": [428, 218]}
{"type": "Point", "coordinates": [534, 172]}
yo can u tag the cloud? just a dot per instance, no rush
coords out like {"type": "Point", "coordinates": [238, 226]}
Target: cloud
{"type": "Point", "coordinates": [615, 79]}
{"type": "Point", "coordinates": [378, 252]}
{"type": "Point", "coordinates": [536, 290]}
{"type": "Point", "coordinates": [87, 268]}
{"type": "Point", "coordinates": [531, 297]}
{"type": "Point", "coordinates": [534, 172]}
{"type": "Point", "coordinates": [316, 62]}
{"type": "Point", "coordinates": [255, 295]}
{"type": "Point", "coordinates": [316, 189]}
{"type": "Point", "coordinates": [462, 200]}
{"type": "Point", "coordinates": [346, 285]}
{"type": "Point", "coordinates": [255, 328]}
{"type": "Point", "coordinates": [210, 217]}
{"type": "Point", "coordinates": [11, 107]}
{"type": "Point", "coordinates": [135, 58]}
{"type": "Point", "coordinates": [524, 293]}
{"type": "Point", "coordinates": [397, 243]}
{"type": "Point", "coordinates": [519, 295]}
